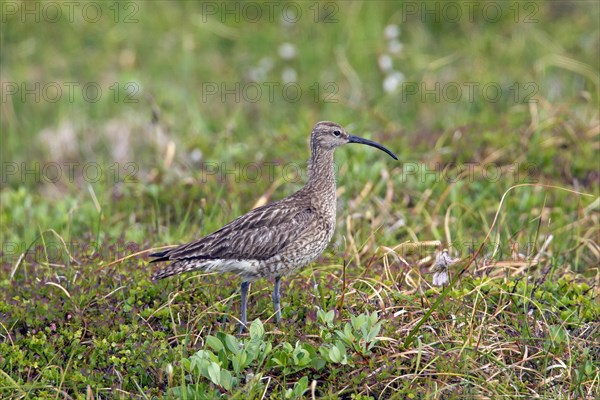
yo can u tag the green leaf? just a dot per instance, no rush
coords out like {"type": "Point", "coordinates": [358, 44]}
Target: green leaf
{"type": "Point", "coordinates": [242, 356]}
{"type": "Point", "coordinates": [374, 332]}
{"type": "Point", "coordinates": [232, 344]}
{"type": "Point", "coordinates": [235, 363]}
{"type": "Point", "coordinates": [268, 347]}
{"type": "Point", "coordinates": [222, 357]}
{"type": "Point", "coordinates": [342, 349]}
{"type": "Point", "coordinates": [257, 330]}
{"type": "Point", "coordinates": [330, 315]}
{"type": "Point", "coordinates": [318, 362]}
{"type": "Point", "coordinates": [321, 315]}
{"type": "Point", "coordinates": [186, 364]}
{"type": "Point", "coordinates": [335, 355]}
{"type": "Point", "coordinates": [302, 358]}
{"type": "Point", "coordinates": [301, 386]}
{"type": "Point", "coordinates": [326, 317]}
{"type": "Point", "coordinates": [588, 368]}
{"type": "Point", "coordinates": [214, 343]}
{"type": "Point", "coordinates": [214, 372]}
{"type": "Point", "coordinates": [324, 352]}
{"type": "Point", "coordinates": [202, 367]}
{"type": "Point", "coordinates": [287, 347]}
{"type": "Point", "coordinates": [226, 380]}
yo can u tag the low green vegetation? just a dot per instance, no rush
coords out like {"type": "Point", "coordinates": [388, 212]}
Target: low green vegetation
{"type": "Point", "coordinates": [521, 331]}
{"type": "Point", "coordinates": [505, 176]}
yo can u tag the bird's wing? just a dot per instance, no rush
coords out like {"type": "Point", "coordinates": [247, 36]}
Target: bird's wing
{"type": "Point", "coordinates": [257, 235]}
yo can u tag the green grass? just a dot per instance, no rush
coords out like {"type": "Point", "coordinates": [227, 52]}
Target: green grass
{"type": "Point", "coordinates": [178, 162]}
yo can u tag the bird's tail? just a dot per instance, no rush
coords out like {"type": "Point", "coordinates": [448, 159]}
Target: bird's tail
{"type": "Point", "coordinates": [172, 269]}
{"type": "Point", "coordinates": [160, 256]}
{"type": "Point", "coordinates": [165, 272]}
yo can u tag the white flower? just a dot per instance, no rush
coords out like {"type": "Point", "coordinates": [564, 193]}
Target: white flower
{"type": "Point", "coordinates": [385, 62]}
{"type": "Point", "coordinates": [441, 278]}
{"type": "Point", "coordinates": [289, 75]}
{"type": "Point", "coordinates": [391, 31]}
{"type": "Point", "coordinates": [392, 81]}
{"type": "Point", "coordinates": [394, 46]}
{"type": "Point", "coordinates": [440, 268]}
{"type": "Point", "coordinates": [196, 155]}
{"type": "Point", "coordinates": [287, 51]}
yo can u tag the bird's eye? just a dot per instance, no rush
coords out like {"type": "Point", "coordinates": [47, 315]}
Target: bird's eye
{"type": "Point", "coordinates": [337, 133]}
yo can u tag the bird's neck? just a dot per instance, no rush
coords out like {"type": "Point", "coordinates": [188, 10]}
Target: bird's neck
{"type": "Point", "coordinates": [321, 171]}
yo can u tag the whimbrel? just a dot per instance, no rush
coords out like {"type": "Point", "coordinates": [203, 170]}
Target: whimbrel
{"type": "Point", "coordinates": [276, 239]}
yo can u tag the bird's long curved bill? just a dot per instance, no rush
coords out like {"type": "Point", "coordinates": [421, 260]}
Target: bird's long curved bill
{"type": "Point", "coordinates": [356, 139]}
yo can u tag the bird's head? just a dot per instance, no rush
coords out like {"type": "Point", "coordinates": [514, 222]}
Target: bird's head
{"type": "Point", "coordinates": [330, 135]}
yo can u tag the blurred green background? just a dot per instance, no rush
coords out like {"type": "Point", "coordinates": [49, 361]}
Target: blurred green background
{"type": "Point", "coordinates": [509, 83]}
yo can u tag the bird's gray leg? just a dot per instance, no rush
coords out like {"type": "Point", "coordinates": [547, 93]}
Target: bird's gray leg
{"type": "Point", "coordinates": [277, 299]}
{"type": "Point", "coordinates": [245, 286]}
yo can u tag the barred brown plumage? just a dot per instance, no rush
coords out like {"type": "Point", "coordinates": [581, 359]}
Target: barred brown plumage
{"type": "Point", "coordinates": [276, 239]}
